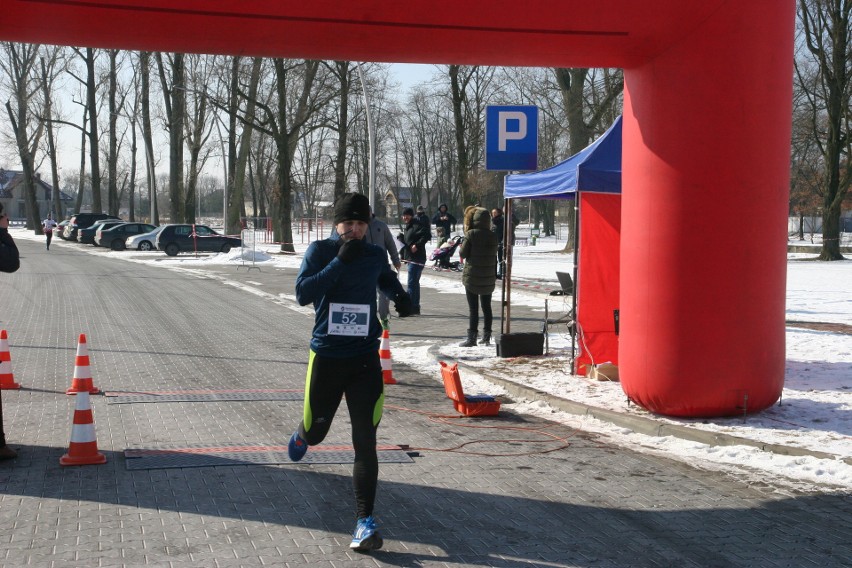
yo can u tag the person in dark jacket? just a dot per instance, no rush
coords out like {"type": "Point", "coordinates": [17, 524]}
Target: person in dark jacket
{"type": "Point", "coordinates": [421, 217]}
{"type": "Point", "coordinates": [339, 276]}
{"type": "Point", "coordinates": [413, 252]}
{"type": "Point", "coordinates": [10, 261]}
{"type": "Point", "coordinates": [479, 251]}
{"type": "Point", "coordinates": [444, 220]}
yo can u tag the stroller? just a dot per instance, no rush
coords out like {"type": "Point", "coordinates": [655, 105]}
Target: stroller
{"type": "Point", "coordinates": [444, 253]}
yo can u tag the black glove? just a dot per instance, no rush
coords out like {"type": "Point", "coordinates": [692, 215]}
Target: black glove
{"type": "Point", "coordinates": [350, 250]}
{"type": "Point", "coordinates": [402, 304]}
{"type": "Point", "coordinates": [401, 237]}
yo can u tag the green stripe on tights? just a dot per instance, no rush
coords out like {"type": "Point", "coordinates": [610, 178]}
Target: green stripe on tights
{"type": "Point", "coordinates": [307, 415]}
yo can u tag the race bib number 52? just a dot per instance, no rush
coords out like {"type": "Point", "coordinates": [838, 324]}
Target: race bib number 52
{"type": "Point", "coordinates": [349, 319]}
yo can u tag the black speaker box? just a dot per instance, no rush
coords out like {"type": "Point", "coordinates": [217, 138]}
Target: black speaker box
{"type": "Point", "coordinates": [517, 344]}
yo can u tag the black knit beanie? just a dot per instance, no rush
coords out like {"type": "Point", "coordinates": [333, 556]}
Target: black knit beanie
{"type": "Point", "coordinates": [352, 207]}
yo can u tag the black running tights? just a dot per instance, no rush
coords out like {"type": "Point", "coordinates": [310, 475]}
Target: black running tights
{"type": "Point", "coordinates": [360, 379]}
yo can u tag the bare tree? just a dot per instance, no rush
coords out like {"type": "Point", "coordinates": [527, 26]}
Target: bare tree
{"type": "Point", "coordinates": [115, 98]}
{"type": "Point", "coordinates": [591, 99]}
{"type": "Point", "coordinates": [262, 173]}
{"type": "Point", "coordinates": [827, 34]}
{"type": "Point", "coordinates": [131, 208]}
{"type": "Point", "coordinates": [174, 98]}
{"type": "Point", "coordinates": [806, 160]}
{"type": "Point", "coordinates": [314, 174]}
{"type": "Point", "coordinates": [147, 132]}
{"type": "Point", "coordinates": [199, 126]}
{"type": "Point", "coordinates": [94, 136]}
{"type": "Point", "coordinates": [229, 95]}
{"type": "Point", "coordinates": [81, 186]}
{"type": "Point", "coordinates": [296, 100]}
{"type": "Point", "coordinates": [423, 135]}
{"type": "Point", "coordinates": [469, 91]}
{"type": "Point", "coordinates": [49, 74]}
{"type": "Point", "coordinates": [133, 114]}
{"type": "Point", "coordinates": [237, 197]}
{"type": "Point", "coordinates": [19, 66]}
{"type": "Point", "coordinates": [342, 70]}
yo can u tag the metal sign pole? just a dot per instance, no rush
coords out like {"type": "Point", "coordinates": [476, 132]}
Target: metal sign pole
{"type": "Point", "coordinates": [371, 138]}
{"type": "Point", "coordinates": [576, 283]}
{"type": "Point", "coordinates": [507, 259]}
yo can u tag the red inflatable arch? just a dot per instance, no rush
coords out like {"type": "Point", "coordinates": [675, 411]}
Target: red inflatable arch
{"type": "Point", "coordinates": [708, 87]}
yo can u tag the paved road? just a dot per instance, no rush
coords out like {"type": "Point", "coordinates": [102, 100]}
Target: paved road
{"type": "Point", "coordinates": [526, 492]}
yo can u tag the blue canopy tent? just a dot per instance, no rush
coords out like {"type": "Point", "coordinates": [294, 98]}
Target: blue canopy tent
{"type": "Point", "coordinates": [595, 168]}
{"type": "Point", "coordinates": [593, 177]}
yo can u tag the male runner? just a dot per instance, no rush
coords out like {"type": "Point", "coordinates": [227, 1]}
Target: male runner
{"type": "Point", "coordinates": [339, 275]}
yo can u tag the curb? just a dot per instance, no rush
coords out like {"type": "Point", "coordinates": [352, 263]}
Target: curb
{"type": "Point", "coordinates": [641, 424]}
{"type": "Point", "coordinates": [814, 249]}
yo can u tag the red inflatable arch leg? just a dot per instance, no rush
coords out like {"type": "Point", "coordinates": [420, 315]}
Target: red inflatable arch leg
{"type": "Point", "coordinates": [703, 243]}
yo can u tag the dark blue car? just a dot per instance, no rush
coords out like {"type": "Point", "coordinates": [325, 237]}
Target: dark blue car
{"type": "Point", "coordinates": [194, 238]}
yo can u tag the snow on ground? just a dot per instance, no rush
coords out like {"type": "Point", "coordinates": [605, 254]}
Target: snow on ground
{"type": "Point", "coordinates": [815, 411]}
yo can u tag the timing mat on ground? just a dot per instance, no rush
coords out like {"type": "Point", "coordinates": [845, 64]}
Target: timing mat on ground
{"type": "Point", "coordinates": [246, 454]}
{"type": "Point", "coordinates": [125, 397]}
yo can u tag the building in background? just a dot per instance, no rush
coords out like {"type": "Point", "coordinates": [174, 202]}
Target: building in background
{"type": "Point", "coordinates": [13, 198]}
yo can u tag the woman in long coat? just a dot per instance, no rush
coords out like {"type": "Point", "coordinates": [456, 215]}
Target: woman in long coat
{"type": "Point", "coordinates": [479, 251]}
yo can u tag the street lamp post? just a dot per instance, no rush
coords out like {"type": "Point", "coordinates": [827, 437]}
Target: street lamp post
{"type": "Point", "coordinates": [371, 140]}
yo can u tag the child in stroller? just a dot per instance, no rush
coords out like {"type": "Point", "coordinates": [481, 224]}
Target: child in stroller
{"type": "Point", "coordinates": [444, 253]}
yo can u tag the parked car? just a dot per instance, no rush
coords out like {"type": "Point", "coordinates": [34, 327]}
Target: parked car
{"type": "Point", "coordinates": [114, 237]}
{"type": "Point", "coordinates": [59, 231]}
{"type": "Point", "coordinates": [190, 238]}
{"type": "Point", "coordinates": [81, 221]}
{"type": "Point", "coordinates": [145, 241]}
{"type": "Point", "coordinates": [87, 236]}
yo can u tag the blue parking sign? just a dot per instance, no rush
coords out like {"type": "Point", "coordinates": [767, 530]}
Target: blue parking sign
{"type": "Point", "coordinates": [511, 138]}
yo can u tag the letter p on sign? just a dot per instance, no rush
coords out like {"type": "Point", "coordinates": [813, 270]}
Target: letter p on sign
{"type": "Point", "coordinates": [503, 132]}
{"type": "Point", "coordinates": [511, 138]}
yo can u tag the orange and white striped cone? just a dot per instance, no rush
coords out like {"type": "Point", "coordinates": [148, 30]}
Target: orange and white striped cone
{"type": "Point", "coordinates": [83, 449]}
{"type": "Point", "coordinates": [7, 379]}
{"type": "Point", "coordinates": [385, 357]}
{"type": "Point", "coordinates": [82, 381]}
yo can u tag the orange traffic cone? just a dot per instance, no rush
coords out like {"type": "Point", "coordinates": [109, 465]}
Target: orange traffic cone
{"type": "Point", "coordinates": [385, 356]}
{"type": "Point", "coordinates": [83, 449]}
{"type": "Point", "coordinates": [82, 373]}
{"type": "Point", "coordinates": [7, 379]}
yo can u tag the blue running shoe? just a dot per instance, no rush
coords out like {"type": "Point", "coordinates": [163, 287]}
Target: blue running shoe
{"type": "Point", "coordinates": [366, 536]}
{"type": "Point", "coordinates": [297, 447]}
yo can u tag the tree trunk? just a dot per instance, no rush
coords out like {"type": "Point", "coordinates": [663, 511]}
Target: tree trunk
{"type": "Point", "coordinates": [132, 207]}
{"type": "Point", "coordinates": [462, 157]}
{"type": "Point", "coordinates": [286, 141]}
{"type": "Point", "coordinates": [827, 37]}
{"type": "Point", "coordinates": [196, 144]}
{"type": "Point", "coordinates": [81, 185]}
{"type": "Point", "coordinates": [112, 156]}
{"type": "Point", "coordinates": [571, 82]}
{"type": "Point", "coordinates": [147, 134]}
{"type": "Point", "coordinates": [342, 68]}
{"type": "Point", "coordinates": [175, 102]}
{"type": "Point", "coordinates": [237, 197]}
{"type": "Point", "coordinates": [831, 235]}
{"type": "Point", "coordinates": [94, 143]}
{"type": "Point", "coordinates": [232, 214]}
{"type": "Point", "coordinates": [55, 196]}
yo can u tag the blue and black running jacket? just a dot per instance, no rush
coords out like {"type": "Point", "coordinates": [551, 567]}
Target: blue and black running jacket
{"type": "Point", "coordinates": [324, 279]}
